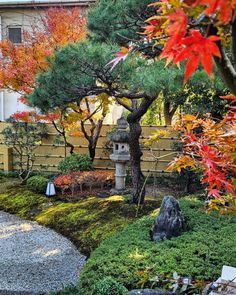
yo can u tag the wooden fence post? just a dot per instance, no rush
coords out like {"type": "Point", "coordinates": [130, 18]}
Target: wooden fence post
{"type": "Point", "coordinates": [7, 159]}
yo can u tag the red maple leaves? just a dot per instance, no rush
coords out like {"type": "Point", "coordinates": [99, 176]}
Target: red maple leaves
{"type": "Point", "coordinates": [212, 149]}
{"type": "Point", "coordinates": [176, 24]}
{"type": "Point", "coordinates": [222, 7]}
{"type": "Point", "coordinates": [33, 117]}
{"type": "Point", "coordinates": [198, 49]}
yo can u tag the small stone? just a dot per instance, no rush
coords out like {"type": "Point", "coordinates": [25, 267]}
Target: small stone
{"type": "Point", "coordinates": [170, 221]}
{"type": "Point", "coordinates": [121, 192]}
{"type": "Point", "coordinates": [35, 211]}
{"type": "Point", "coordinates": [103, 194]}
{"type": "Point", "coordinates": [149, 292]}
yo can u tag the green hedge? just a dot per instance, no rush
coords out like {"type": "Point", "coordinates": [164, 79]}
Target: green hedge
{"type": "Point", "coordinates": [201, 252]}
{"type": "Point", "coordinates": [75, 162]}
{"type": "Point", "coordinates": [37, 184]}
{"type": "Point", "coordinates": [108, 286]}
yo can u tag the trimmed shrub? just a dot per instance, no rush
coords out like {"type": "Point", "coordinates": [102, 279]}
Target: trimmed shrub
{"type": "Point", "coordinates": [75, 162]}
{"type": "Point", "coordinates": [69, 290]}
{"type": "Point", "coordinates": [209, 243]}
{"type": "Point", "coordinates": [37, 184]}
{"type": "Point", "coordinates": [97, 178]}
{"type": "Point", "coordinates": [108, 286]}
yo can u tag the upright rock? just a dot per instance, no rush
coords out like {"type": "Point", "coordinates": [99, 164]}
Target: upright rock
{"type": "Point", "coordinates": [170, 222]}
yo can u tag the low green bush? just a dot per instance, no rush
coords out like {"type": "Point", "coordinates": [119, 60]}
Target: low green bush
{"type": "Point", "coordinates": [37, 184]}
{"type": "Point", "coordinates": [69, 290]}
{"type": "Point", "coordinates": [75, 162]}
{"type": "Point", "coordinates": [10, 174]}
{"type": "Point", "coordinates": [108, 286]}
{"type": "Point", "coordinates": [130, 256]}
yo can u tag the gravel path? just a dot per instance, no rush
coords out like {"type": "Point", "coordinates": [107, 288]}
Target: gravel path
{"type": "Point", "coordinates": [34, 259]}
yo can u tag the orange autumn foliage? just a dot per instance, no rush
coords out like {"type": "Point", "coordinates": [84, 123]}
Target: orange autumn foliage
{"type": "Point", "coordinates": [81, 179]}
{"type": "Point", "coordinates": [20, 63]}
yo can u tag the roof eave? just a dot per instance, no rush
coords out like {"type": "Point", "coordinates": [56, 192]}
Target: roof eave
{"type": "Point", "coordinates": [49, 4]}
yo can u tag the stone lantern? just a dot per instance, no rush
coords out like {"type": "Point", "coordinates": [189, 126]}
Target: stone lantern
{"type": "Point", "coordinates": [120, 154]}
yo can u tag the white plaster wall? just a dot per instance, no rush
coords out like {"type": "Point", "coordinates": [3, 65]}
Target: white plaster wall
{"type": "Point", "coordinates": [115, 112]}
{"type": "Point", "coordinates": [26, 19]}
{"type": "Point", "coordinates": [9, 105]}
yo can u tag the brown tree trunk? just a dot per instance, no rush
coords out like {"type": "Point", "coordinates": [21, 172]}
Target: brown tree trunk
{"type": "Point", "coordinates": [136, 113]}
{"type": "Point", "coordinates": [135, 162]}
{"type": "Point", "coordinates": [225, 66]}
{"type": "Point", "coordinates": [92, 150]}
{"type": "Point", "coordinates": [93, 137]}
{"type": "Point", "coordinates": [168, 112]}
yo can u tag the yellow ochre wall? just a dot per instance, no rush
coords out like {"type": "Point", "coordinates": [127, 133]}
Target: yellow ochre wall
{"type": "Point", "coordinates": [48, 155]}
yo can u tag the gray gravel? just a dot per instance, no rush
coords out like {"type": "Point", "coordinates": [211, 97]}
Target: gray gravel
{"type": "Point", "coordinates": [34, 259]}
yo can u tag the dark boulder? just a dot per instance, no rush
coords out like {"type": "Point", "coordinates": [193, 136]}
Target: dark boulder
{"type": "Point", "coordinates": [170, 221]}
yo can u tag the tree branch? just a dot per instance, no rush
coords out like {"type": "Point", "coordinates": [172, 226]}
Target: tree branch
{"type": "Point", "coordinates": [120, 102]}
{"type": "Point", "coordinates": [234, 41]}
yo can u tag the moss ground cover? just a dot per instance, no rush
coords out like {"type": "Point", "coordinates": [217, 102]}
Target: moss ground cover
{"type": "Point", "coordinates": [209, 243]}
{"type": "Point", "coordinates": [86, 222]}
{"type": "Point", "coordinates": [123, 249]}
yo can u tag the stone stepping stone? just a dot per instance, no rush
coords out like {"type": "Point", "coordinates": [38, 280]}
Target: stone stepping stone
{"type": "Point", "coordinates": [34, 259]}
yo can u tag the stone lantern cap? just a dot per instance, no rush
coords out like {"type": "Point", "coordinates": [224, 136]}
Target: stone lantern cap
{"type": "Point", "coordinates": [121, 134]}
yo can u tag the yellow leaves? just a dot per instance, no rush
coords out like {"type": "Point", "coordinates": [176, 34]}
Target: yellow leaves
{"type": "Point", "coordinates": [105, 100]}
{"type": "Point", "coordinates": [183, 162]}
{"type": "Point", "coordinates": [73, 117]}
{"type": "Point", "coordinates": [155, 137]}
{"type": "Point", "coordinates": [225, 205]}
{"type": "Point", "coordinates": [224, 36]}
{"type": "Point", "coordinates": [189, 118]}
{"type": "Point", "coordinates": [185, 123]}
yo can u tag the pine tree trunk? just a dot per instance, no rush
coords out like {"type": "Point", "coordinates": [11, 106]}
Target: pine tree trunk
{"type": "Point", "coordinates": [135, 162]}
{"type": "Point", "coordinates": [167, 115]}
{"type": "Point", "coordinates": [168, 112]}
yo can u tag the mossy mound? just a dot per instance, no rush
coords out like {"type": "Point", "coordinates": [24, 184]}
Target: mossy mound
{"type": "Point", "coordinates": [91, 220]}
{"type": "Point", "coordinates": [86, 222]}
{"type": "Point", "coordinates": [209, 243]}
{"type": "Point", "coordinates": [16, 199]}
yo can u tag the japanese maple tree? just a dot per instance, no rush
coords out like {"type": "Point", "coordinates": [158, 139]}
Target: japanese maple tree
{"type": "Point", "coordinates": [210, 145]}
{"type": "Point", "coordinates": [199, 32]}
{"type": "Point", "coordinates": [21, 63]}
